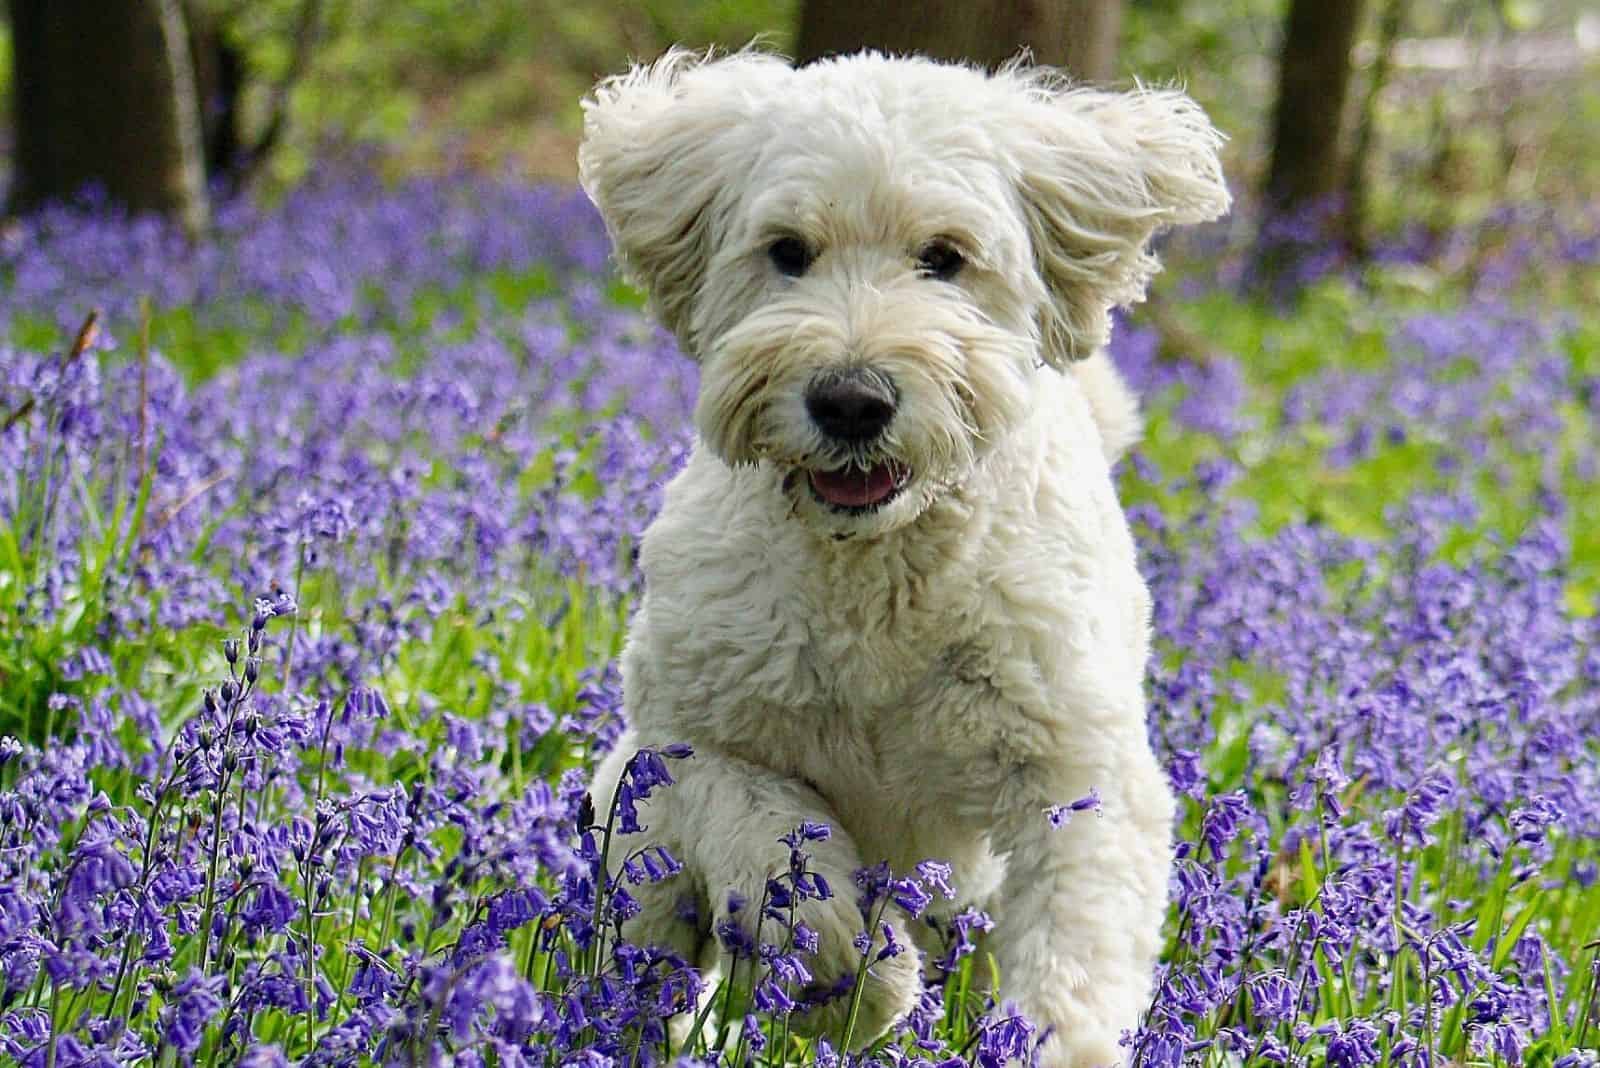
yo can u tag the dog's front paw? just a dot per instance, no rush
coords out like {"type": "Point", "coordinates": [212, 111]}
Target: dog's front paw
{"type": "Point", "coordinates": [1084, 1049]}
{"type": "Point", "coordinates": [1083, 1031]}
{"type": "Point", "coordinates": [890, 984]}
{"type": "Point", "coordinates": [833, 929]}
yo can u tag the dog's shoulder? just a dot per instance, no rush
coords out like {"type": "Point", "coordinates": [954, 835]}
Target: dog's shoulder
{"type": "Point", "coordinates": [713, 513]}
{"type": "Point", "coordinates": [716, 621]}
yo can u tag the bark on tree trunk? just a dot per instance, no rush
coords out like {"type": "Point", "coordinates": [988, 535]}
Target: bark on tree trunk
{"type": "Point", "coordinates": [219, 80]}
{"type": "Point", "coordinates": [1313, 79]}
{"type": "Point", "coordinates": [1080, 35]}
{"type": "Point", "coordinates": [1093, 38]}
{"type": "Point", "coordinates": [1299, 209]}
{"type": "Point", "coordinates": [105, 95]}
{"type": "Point", "coordinates": [1357, 178]}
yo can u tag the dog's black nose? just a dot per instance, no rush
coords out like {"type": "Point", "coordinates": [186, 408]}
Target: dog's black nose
{"type": "Point", "coordinates": [853, 405]}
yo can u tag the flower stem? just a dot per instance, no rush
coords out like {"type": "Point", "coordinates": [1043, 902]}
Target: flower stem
{"type": "Point", "coordinates": [55, 1001]}
{"type": "Point", "coordinates": [294, 622]}
{"type": "Point", "coordinates": [861, 973]}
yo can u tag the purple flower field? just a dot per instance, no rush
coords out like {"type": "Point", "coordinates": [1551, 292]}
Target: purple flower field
{"type": "Point", "coordinates": [315, 555]}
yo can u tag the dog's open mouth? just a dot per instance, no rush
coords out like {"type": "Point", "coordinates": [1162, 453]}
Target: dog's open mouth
{"type": "Point", "coordinates": [853, 489]}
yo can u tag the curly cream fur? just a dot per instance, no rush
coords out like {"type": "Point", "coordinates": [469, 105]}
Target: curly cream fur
{"type": "Point", "coordinates": [929, 676]}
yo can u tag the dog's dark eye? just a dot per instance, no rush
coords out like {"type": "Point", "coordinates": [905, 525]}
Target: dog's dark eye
{"type": "Point", "coordinates": [790, 255]}
{"type": "Point", "coordinates": [940, 260]}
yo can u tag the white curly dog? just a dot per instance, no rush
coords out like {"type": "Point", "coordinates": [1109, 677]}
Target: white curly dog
{"type": "Point", "coordinates": [893, 590]}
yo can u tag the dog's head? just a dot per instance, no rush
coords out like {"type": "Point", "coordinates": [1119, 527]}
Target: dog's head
{"type": "Point", "coordinates": [871, 258]}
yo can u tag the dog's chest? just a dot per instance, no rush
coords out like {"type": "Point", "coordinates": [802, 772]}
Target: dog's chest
{"type": "Point", "coordinates": [878, 619]}
{"type": "Point", "coordinates": [866, 657]}
{"type": "Point", "coordinates": [873, 628]}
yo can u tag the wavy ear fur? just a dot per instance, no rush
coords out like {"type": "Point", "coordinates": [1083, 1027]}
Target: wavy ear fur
{"type": "Point", "coordinates": [1099, 174]}
{"type": "Point", "coordinates": [655, 154]}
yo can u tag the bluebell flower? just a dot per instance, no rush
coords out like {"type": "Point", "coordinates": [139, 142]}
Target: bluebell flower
{"type": "Point", "coordinates": [1061, 815]}
{"type": "Point", "coordinates": [961, 939]}
{"type": "Point", "coordinates": [271, 909]}
{"type": "Point", "coordinates": [190, 1008]}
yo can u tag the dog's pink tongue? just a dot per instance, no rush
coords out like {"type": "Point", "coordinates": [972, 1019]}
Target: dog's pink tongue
{"type": "Point", "coordinates": [854, 488]}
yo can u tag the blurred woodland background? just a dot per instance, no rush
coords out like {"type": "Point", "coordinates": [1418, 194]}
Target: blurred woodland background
{"type": "Point", "coordinates": [1346, 116]}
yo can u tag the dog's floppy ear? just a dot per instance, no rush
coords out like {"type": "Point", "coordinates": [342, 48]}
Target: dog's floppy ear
{"type": "Point", "coordinates": [655, 154]}
{"type": "Point", "coordinates": [1099, 173]}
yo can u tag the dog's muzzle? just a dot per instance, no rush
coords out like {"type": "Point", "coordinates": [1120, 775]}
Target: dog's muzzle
{"type": "Point", "coordinates": [852, 406]}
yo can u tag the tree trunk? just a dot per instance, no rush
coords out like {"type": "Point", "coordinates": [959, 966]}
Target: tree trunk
{"type": "Point", "coordinates": [1080, 35]}
{"type": "Point", "coordinates": [219, 81]}
{"type": "Point", "coordinates": [1093, 34]}
{"type": "Point", "coordinates": [1300, 209]}
{"type": "Point", "coordinates": [105, 96]}
{"type": "Point", "coordinates": [1313, 79]}
{"type": "Point", "coordinates": [1357, 169]}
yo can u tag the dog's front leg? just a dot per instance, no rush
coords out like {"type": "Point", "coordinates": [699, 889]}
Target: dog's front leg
{"type": "Point", "coordinates": [727, 815]}
{"type": "Point", "coordinates": [1079, 914]}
